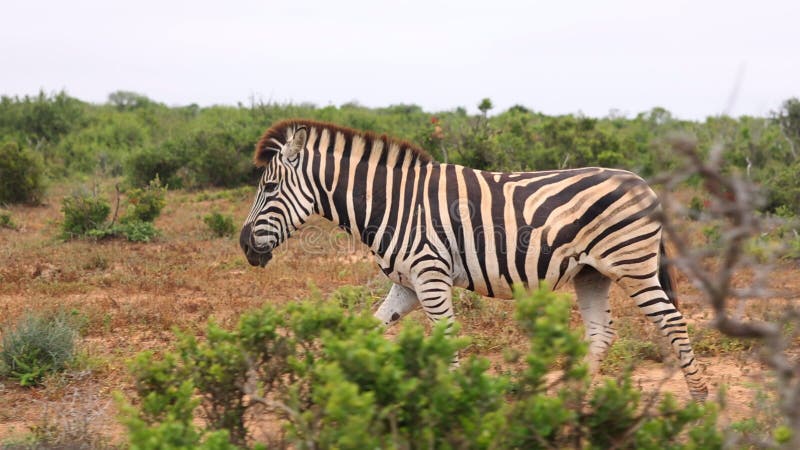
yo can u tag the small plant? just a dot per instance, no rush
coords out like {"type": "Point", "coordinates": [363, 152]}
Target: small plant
{"type": "Point", "coordinates": [713, 235]}
{"type": "Point", "coordinates": [133, 231]}
{"type": "Point", "coordinates": [220, 225]}
{"type": "Point", "coordinates": [84, 214]}
{"type": "Point", "coordinates": [6, 221]}
{"type": "Point", "coordinates": [695, 208]}
{"type": "Point", "coordinates": [36, 346]}
{"type": "Point", "coordinates": [626, 352]}
{"type": "Point", "coordinates": [356, 299]}
{"type": "Point", "coordinates": [707, 341]}
{"type": "Point", "coordinates": [785, 212]}
{"type": "Point", "coordinates": [139, 231]}
{"type": "Point", "coordinates": [793, 252]}
{"type": "Point", "coordinates": [145, 205]}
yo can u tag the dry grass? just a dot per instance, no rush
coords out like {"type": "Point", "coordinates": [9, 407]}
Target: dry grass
{"type": "Point", "coordinates": [130, 296]}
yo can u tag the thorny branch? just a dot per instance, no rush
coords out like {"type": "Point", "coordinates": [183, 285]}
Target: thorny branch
{"type": "Point", "coordinates": [733, 199]}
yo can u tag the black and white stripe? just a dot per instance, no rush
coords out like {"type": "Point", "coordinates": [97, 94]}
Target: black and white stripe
{"type": "Point", "coordinates": [433, 226]}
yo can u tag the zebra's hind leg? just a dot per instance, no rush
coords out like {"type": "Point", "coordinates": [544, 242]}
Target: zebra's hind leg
{"type": "Point", "coordinates": [592, 288]}
{"type": "Point", "coordinates": [398, 303]}
{"type": "Point", "coordinates": [650, 297]}
{"type": "Point", "coordinates": [435, 293]}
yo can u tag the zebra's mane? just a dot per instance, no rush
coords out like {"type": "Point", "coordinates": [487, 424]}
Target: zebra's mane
{"type": "Point", "coordinates": [280, 132]}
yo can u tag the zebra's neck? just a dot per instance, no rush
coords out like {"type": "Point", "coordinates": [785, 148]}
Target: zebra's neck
{"type": "Point", "coordinates": [356, 176]}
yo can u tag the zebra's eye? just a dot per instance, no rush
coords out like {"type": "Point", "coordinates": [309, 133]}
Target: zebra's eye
{"type": "Point", "coordinates": [270, 186]}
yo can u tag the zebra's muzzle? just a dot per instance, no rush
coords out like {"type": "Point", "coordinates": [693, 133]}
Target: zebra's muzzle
{"type": "Point", "coordinates": [258, 259]}
{"type": "Point", "coordinates": [253, 255]}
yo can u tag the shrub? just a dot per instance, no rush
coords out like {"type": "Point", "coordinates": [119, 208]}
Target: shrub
{"type": "Point", "coordinates": [36, 346]}
{"type": "Point", "coordinates": [335, 381]}
{"type": "Point", "coordinates": [138, 231]}
{"type": "Point", "coordinates": [793, 251]}
{"type": "Point", "coordinates": [132, 230]}
{"type": "Point", "coordinates": [145, 204]}
{"type": "Point", "coordinates": [21, 175]}
{"type": "Point", "coordinates": [626, 352]}
{"type": "Point", "coordinates": [6, 221]}
{"type": "Point", "coordinates": [782, 186]}
{"type": "Point", "coordinates": [151, 162]}
{"type": "Point", "coordinates": [695, 208]}
{"type": "Point", "coordinates": [84, 215]}
{"type": "Point", "coordinates": [220, 225]}
{"type": "Point", "coordinates": [220, 156]}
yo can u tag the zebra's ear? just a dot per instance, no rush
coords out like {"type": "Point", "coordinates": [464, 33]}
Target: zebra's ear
{"type": "Point", "coordinates": [296, 145]}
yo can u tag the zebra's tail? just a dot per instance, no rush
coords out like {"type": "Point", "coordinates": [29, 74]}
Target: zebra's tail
{"type": "Point", "coordinates": [665, 275]}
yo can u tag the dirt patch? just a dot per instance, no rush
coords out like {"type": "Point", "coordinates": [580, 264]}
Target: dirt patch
{"type": "Point", "coordinates": [130, 297]}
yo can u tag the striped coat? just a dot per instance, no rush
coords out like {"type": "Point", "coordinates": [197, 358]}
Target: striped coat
{"type": "Point", "coordinates": [433, 226]}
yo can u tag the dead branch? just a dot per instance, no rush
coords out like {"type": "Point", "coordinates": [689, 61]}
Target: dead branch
{"type": "Point", "coordinates": [733, 200]}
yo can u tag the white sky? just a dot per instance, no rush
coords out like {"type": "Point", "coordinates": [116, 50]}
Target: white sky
{"type": "Point", "coordinates": [555, 56]}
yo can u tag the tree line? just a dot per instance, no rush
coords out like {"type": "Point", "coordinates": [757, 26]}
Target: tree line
{"type": "Point", "coordinates": [138, 138]}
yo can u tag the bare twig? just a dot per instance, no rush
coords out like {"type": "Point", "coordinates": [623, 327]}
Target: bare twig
{"type": "Point", "coordinates": [732, 199]}
{"type": "Point", "coordinates": [116, 206]}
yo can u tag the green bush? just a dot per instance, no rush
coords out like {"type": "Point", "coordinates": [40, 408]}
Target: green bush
{"type": "Point", "coordinates": [192, 146]}
{"type": "Point", "coordinates": [6, 221]}
{"type": "Point", "coordinates": [41, 118]}
{"type": "Point", "coordinates": [793, 252]}
{"type": "Point", "coordinates": [334, 381]}
{"type": "Point", "coordinates": [151, 162]}
{"type": "Point", "coordinates": [782, 186]}
{"type": "Point", "coordinates": [221, 225]}
{"type": "Point", "coordinates": [695, 208]}
{"type": "Point", "coordinates": [145, 204]}
{"type": "Point", "coordinates": [21, 175]}
{"type": "Point", "coordinates": [138, 231]}
{"type": "Point", "coordinates": [132, 230]}
{"type": "Point", "coordinates": [221, 156]}
{"type": "Point", "coordinates": [37, 345]}
{"type": "Point", "coordinates": [84, 215]}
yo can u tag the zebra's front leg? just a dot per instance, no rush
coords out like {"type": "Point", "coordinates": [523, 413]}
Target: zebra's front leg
{"type": "Point", "coordinates": [399, 302]}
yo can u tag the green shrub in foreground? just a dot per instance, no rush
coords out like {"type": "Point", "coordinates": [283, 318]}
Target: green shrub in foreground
{"type": "Point", "coordinates": [334, 381]}
{"type": "Point", "coordinates": [37, 345]}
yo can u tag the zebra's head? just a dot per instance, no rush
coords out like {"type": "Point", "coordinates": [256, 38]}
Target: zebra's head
{"type": "Point", "coordinates": [282, 201]}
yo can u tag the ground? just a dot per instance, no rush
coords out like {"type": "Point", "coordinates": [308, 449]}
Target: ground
{"type": "Point", "coordinates": [129, 297]}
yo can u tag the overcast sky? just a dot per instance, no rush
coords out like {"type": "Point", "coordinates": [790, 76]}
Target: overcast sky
{"type": "Point", "coordinates": [695, 58]}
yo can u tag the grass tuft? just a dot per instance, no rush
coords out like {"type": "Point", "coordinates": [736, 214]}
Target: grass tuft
{"type": "Point", "coordinates": [36, 346]}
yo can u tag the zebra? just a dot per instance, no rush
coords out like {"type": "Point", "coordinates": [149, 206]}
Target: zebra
{"type": "Point", "coordinates": [434, 226]}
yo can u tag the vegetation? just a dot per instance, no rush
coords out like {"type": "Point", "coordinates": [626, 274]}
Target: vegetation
{"type": "Point", "coordinates": [145, 204]}
{"type": "Point", "coordinates": [192, 147]}
{"type": "Point", "coordinates": [86, 214]}
{"type": "Point", "coordinates": [21, 175]}
{"type": "Point", "coordinates": [6, 221]}
{"type": "Point", "coordinates": [221, 225]}
{"type": "Point", "coordinates": [309, 374]}
{"type": "Point", "coordinates": [37, 345]}
{"type": "Point", "coordinates": [334, 381]}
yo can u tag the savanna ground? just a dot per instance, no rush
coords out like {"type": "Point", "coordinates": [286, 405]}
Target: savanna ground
{"type": "Point", "coordinates": [129, 297]}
